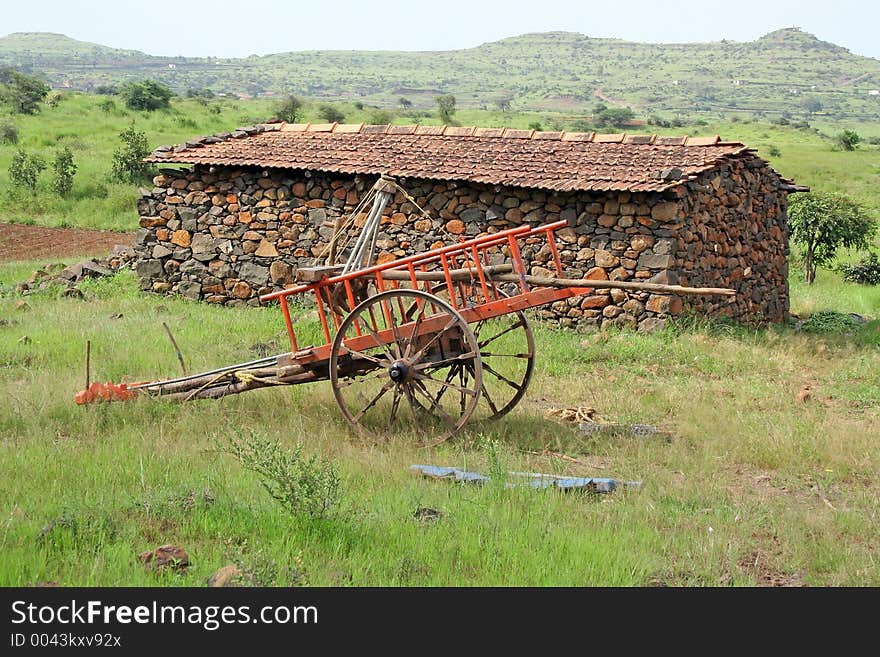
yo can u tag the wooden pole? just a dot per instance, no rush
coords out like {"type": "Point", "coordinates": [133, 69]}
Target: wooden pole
{"type": "Point", "coordinates": [541, 281]}
{"type": "Point", "coordinates": [88, 363]}
{"type": "Point", "coordinates": [176, 349]}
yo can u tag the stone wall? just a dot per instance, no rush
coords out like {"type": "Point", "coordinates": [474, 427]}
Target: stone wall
{"type": "Point", "coordinates": [228, 235]}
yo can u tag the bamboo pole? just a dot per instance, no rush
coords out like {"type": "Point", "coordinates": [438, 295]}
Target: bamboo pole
{"type": "Point", "coordinates": [541, 281]}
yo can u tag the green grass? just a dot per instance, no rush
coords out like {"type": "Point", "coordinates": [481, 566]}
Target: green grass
{"type": "Point", "coordinates": [809, 157]}
{"type": "Point", "coordinates": [753, 488]}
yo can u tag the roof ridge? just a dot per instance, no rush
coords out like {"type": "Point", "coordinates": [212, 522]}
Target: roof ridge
{"type": "Point", "coordinates": [451, 131]}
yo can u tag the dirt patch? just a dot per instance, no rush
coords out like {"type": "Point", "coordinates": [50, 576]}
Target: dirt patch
{"type": "Point", "coordinates": [21, 242]}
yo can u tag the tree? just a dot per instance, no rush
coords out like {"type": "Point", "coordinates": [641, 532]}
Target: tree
{"type": "Point", "coordinates": [405, 103]}
{"type": "Point", "coordinates": [330, 114]}
{"type": "Point", "coordinates": [25, 169]}
{"type": "Point", "coordinates": [128, 165]}
{"type": "Point", "coordinates": [812, 105]}
{"type": "Point", "coordinates": [64, 168]}
{"type": "Point", "coordinates": [823, 222]}
{"type": "Point", "coordinates": [290, 109]}
{"type": "Point", "coordinates": [848, 140]}
{"type": "Point", "coordinates": [614, 116]}
{"type": "Point", "coordinates": [22, 92]}
{"type": "Point", "coordinates": [148, 95]}
{"type": "Point", "coordinates": [445, 107]}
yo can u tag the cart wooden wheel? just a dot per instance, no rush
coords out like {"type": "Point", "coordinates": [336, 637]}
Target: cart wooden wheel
{"type": "Point", "coordinates": [393, 370]}
{"type": "Point", "coordinates": [507, 354]}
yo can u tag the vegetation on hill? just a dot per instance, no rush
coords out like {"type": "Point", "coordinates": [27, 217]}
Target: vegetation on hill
{"type": "Point", "coordinates": [788, 71]}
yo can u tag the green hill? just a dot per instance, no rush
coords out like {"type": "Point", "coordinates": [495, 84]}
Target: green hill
{"type": "Point", "coordinates": [787, 71]}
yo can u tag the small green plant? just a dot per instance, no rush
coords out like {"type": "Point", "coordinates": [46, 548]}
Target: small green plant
{"type": "Point", "coordinates": [107, 105]}
{"type": "Point", "coordinates": [495, 467]}
{"type": "Point", "coordinates": [829, 321]}
{"type": "Point", "coordinates": [866, 271]}
{"type": "Point", "coordinates": [773, 151]}
{"type": "Point", "coordinates": [303, 486]}
{"type": "Point", "coordinates": [8, 133]}
{"type": "Point", "coordinates": [64, 169]}
{"type": "Point", "coordinates": [848, 140]}
{"type": "Point", "coordinates": [127, 164]}
{"type": "Point", "coordinates": [25, 169]}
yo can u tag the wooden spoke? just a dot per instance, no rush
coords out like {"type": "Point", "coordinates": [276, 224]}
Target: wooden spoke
{"type": "Point", "coordinates": [409, 378]}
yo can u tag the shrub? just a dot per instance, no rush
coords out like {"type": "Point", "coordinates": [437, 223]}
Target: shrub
{"type": "Point", "coordinates": [865, 272]}
{"type": "Point", "coordinates": [848, 140]}
{"type": "Point", "coordinates": [8, 133]}
{"type": "Point", "coordinates": [127, 164]}
{"type": "Point", "coordinates": [148, 95]}
{"type": "Point", "coordinates": [830, 321]}
{"type": "Point", "coordinates": [773, 151]}
{"type": "Point", "coordinates": [22, 92]}
{"type": "Point", "coordinates": [25, 169]}
{"type": "Point", "coordinates": [107, 105]}
{"type": "Point", "coordinates": [64, 168]}
{"type": "Point", "coordinates": [303, 486]}
{"type": "Point", "coordinates": [380, 117]}
{"type": "Point", "coordinates": [330, 114]}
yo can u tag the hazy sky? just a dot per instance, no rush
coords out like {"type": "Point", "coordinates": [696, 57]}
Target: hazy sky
{"type": "Point", "coordinates": [234, 28]}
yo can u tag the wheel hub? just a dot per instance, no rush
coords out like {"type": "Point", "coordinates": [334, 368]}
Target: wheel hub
{"type": "Point", "coordinates": [399, 371]}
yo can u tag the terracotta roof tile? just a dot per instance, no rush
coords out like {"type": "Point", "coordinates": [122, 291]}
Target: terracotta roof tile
{"type": "Point", "coordinates": [560, 161]}
{"type": "Point", "coordinates": [703, 141]}
{"type": "Point", "coordinates": [578, 136]}
{"type": "Point", "coordinates": [459, 131]}
{"type": "Point", "coordinates": [353, 127]}
{"type": "Point", "coordinates": [610, 139]}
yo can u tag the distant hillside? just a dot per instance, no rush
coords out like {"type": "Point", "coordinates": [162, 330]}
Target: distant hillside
{"type": "Point", "coordinates": [785, 71]}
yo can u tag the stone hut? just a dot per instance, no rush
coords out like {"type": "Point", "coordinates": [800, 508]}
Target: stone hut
{"type": "Point", "coordinates": [254, 205]}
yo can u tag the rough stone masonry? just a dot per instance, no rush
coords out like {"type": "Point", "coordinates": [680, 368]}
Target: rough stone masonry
{"type": "Point", "coordinates": [229, 234]}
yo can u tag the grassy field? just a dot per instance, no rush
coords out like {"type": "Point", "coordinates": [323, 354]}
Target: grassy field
{"type": "Point", "coordinates": [753, 487]}
{"type": "Point", "coordinates": [808, 156]}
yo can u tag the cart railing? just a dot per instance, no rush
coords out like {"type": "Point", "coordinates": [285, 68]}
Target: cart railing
{"type": "Point", "coordinates": [459, 268]}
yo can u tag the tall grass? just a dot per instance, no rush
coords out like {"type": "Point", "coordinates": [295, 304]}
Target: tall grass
{"type": "Point", "coordinates": [753, 488]}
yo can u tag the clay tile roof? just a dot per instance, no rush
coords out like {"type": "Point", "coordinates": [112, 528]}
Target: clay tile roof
{"type": "Point", "coordinates": [559, 161]}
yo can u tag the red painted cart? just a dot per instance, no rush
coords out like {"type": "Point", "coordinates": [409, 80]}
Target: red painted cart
{"type": "Point", "coordinates": [428, 341]}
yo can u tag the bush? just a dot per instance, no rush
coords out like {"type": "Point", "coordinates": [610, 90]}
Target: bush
{"type": "Point", "coordinates": [64, 168]}
{"type": "Point", "coordinates": [25, 169]}
{"type": "Point", "coordinates": [865, 272]}
{"type": "Point", "coordinates": [148, 95]}
{"type": "Point", "coordinates": [8, 133]}
{"type": "Point", "coordinates": [303, 486]}
{"type": "Point", "coordinates": [830, 321]}
{"type": "Point", "coordinates": [773, 151]}
{"type": "Point", "coordinates": [380, 117]}
{"type": "Point", "coordinates": [330, 114]}
{"type": "Point", "coordinates": [127, 164]}
{"type": "Point", "coordinates": [107, 105]}
{"type": "Point", "coordinates": [22, 92]}
{"type": "Point", "coordinates": [848, 140]}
